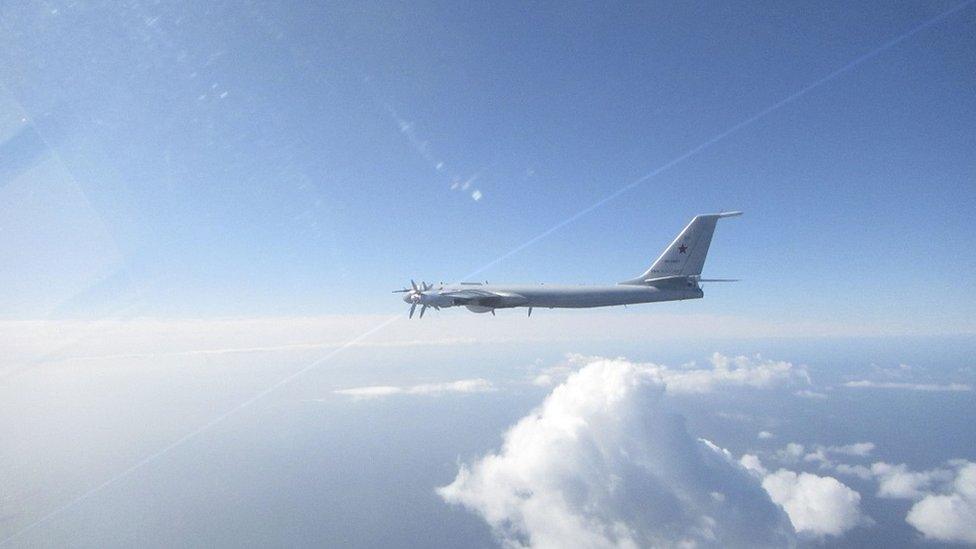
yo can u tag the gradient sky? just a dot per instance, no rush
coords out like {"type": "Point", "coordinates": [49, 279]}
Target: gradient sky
{"type": "Point", "coordinates": [204, 207]}
{"type": "Point", "coordinates": [225, 159]}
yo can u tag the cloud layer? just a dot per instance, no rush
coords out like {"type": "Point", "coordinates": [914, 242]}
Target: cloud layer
{"type": "Point", "coordinates": [37, 340]}
{"type": "Point", "coordinates": [477, 385]}
{"type": "Point", "coordinates": [905, 386]}
{"type": "Point", "coordinates": [601, 464]}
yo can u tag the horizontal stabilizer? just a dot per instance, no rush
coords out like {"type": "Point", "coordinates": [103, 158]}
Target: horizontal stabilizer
{"type": "Point", "coordinates": [682, 281]}
{"type": "Point", "coordinates": [672, 282]}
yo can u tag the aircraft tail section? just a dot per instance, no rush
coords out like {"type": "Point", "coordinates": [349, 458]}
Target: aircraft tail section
{"type": "Point", "coordinates": [685, 256]}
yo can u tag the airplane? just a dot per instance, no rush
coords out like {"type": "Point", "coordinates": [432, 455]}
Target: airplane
{"type": "Point", "coordinates": [674, 276]}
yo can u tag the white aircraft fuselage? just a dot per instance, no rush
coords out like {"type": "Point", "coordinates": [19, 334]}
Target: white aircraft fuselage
{"type": "Point", "coordinates": [548, 296]}
{"type": "Point", "coordinates": [674, 276]}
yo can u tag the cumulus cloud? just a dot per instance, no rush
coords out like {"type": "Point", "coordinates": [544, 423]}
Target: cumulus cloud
{"type": "Point", "coordinates": [792, 453]}
{"type": "Point", "coordinates": [765, 435]}
{"type": "Point", "coordinates": [859, 449]}
{"type": "Point", "coordinates": [945, 497]}
{"type": "Point", "coordinates": [725, 371]}
{"type": "Point", "coordinates": [823, 454]}
{"type": "Point", "coordinates": [461, 386]}
{"type": "Point", "coordinates": [601, 464]}
{"type": "Point", "coordinates": [740, 370]}
{"type": "Point", "coordinates": [897, 481]}
{"type": "Point", "coordinates": [949, 516]}
{"type": "Point", "coordinates": [816, 505]}
{"type": "Point", "coordinates": [934, 387]}
{"type": "Point", "coordinates": [859, 471]}
{"type": "Point", "coordinates": [753, 464]}
{"type": "Point", "coordinates": [558, 373]}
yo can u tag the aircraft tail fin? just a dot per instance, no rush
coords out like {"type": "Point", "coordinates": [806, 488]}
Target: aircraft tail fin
{"type": "Point", "coordinates": [685, 256]}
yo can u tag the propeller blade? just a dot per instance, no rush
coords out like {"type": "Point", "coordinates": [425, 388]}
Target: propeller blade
{"type": "Point", "coordinates": [401, 291]}
{"type": "Point", "coordinates": [422, 311]}
{"type": "Point", "coordinates": [413, 285]}
{"type": "Point", "coordinates": [412, 307]}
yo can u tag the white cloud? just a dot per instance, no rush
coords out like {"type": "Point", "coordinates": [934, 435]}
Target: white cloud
{"type": "Point", "coordinates": [902, 371]}
{"type": "Point", "coordinates": [765, 435]}
{"type": "Point", "coordinates": [949, 387]}
{"type": "Point", "coordinates": [791, 453]}
{"type": "Point", "coordinates": [897, 481]}
{"type": "Point", "coordinates": [950, 516]}
{"type": "Point", "coordinates": [821, 454]}
{"type": "Point", "coordinates": [945, 498]}
{"type": "Point", "coordinates": [753, 464]}
{"type": "Point", "coordinates": [601, 464]}
{"type": "Point", "coordinates": [741, 370]}
{"type": "Point", "coordinates": [461, 386]}
{"type": "Point", "coordinates": [554, 374]}
{"type": "Point", "coordinates": [371, 391]}
{"type": "Point", "coordinates": [859, 449]}
{"type": "Point", "coordinates": [725, 371]}
{"type": "Point", "coordinates": [816, 505]}
{"type": "Point", "coordinates": [806, 393]}
{"type": "Point", "coordinates": [859, 471]}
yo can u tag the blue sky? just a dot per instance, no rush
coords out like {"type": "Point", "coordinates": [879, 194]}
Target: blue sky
{"type": "Point", "coordinates": [205, 206]}
{"type": "Point", "coordinates": [249, 161]}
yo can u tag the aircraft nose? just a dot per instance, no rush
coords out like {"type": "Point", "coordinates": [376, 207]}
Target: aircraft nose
{"type": "Point", "coordinates": [406, 298]}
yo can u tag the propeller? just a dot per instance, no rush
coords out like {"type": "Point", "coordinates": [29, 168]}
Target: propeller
{"type": "Point", "coordinates": [415, 296]}
{"type": "Point", "coordinates": [414, 288]}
